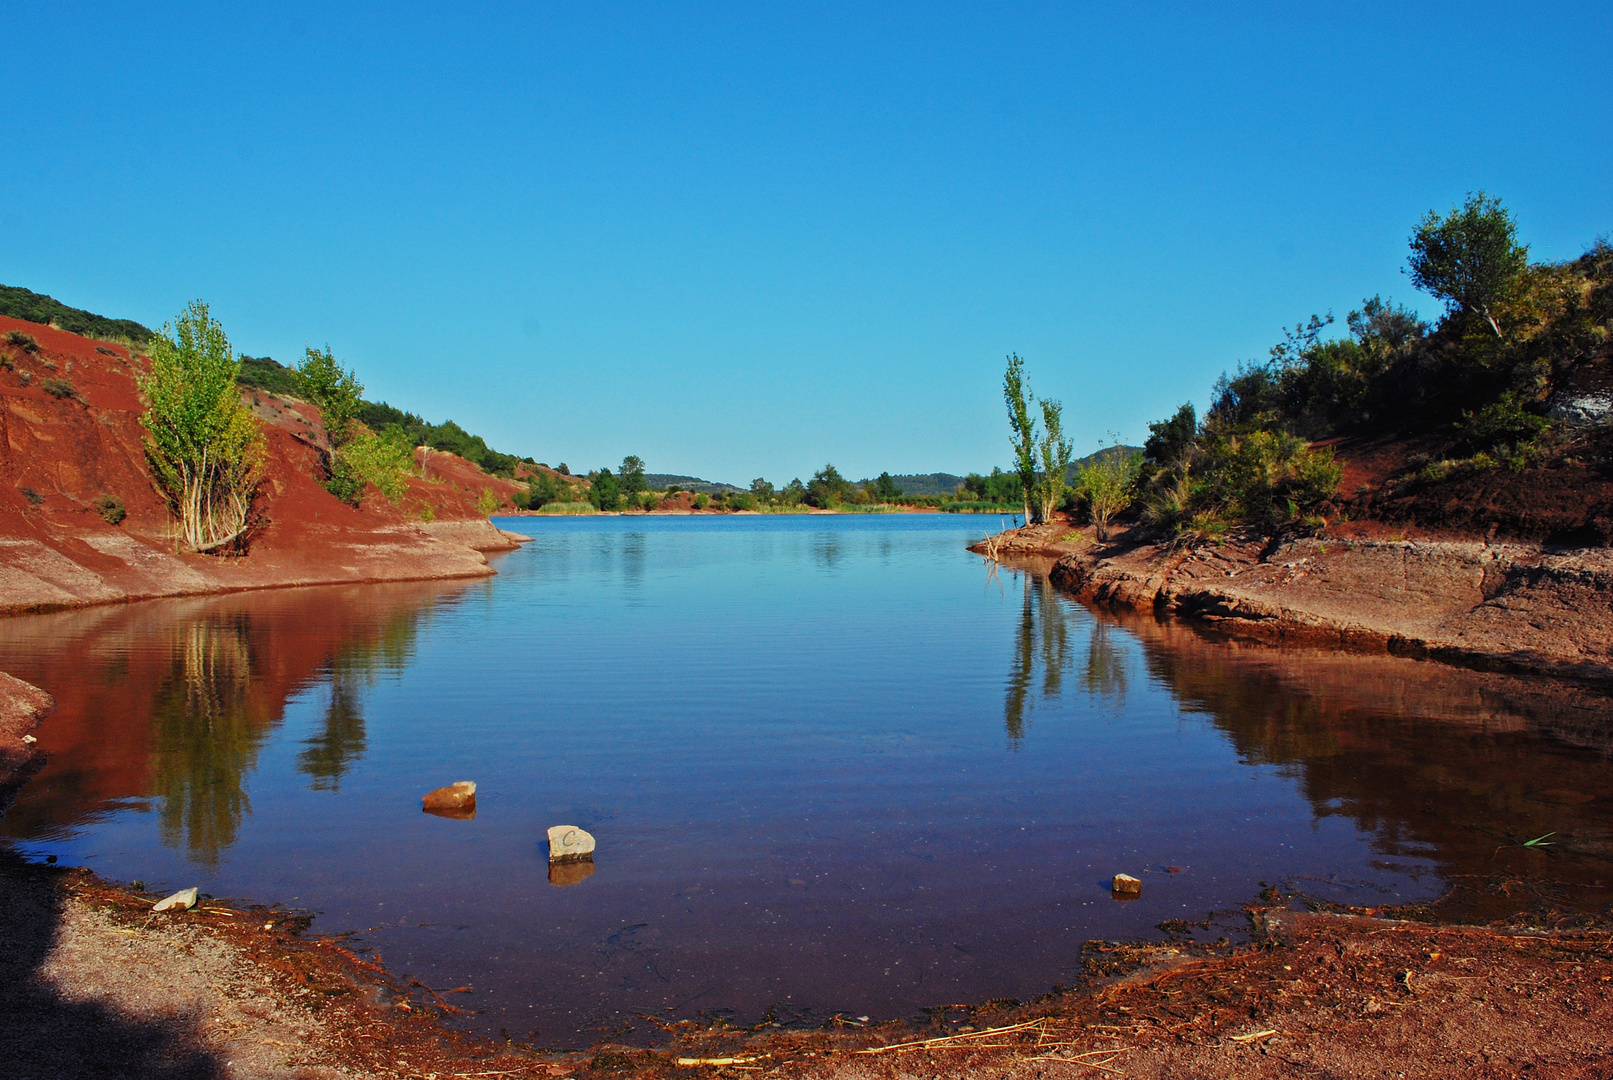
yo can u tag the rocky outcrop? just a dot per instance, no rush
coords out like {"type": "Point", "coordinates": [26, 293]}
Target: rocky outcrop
{"type": "Point", "coordinates": [1498, 606]}
{"type": "Point", "coordinates": [22, 707]}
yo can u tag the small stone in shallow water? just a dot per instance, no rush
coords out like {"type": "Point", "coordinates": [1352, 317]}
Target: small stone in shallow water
{"type": "Point", "coordinates": [455, 800]}
{"type": "Point", "coordinates": [184, 900]}
{"type": "Point", "coordinates": [1126, 885]}
{"type": "Point", "coordinates": [567, 843]}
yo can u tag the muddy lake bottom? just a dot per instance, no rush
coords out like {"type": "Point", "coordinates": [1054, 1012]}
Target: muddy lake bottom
{"type": "Point", "coordinates": [834, 765]}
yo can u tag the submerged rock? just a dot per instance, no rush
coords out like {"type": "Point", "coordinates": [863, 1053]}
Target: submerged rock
{"type": "Point", "coordinates": [1126, 885]}
{"type": "Point", "coordinates": [455, 800]}
{"type": "Point", "coordinates": [183, 900]}
{"type": "Point", "coordinates": [567, 843]}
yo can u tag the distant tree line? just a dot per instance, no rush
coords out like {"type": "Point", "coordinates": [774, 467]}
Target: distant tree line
{"type": "Point", "coordinates": [20, 303]}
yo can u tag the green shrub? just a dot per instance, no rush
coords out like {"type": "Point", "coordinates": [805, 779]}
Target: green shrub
{"type": "Point", "coordinates": [34, 498]}
{"type": "Point", "coordinates": [1109, 485]}
{"type": "Point", "coordinates": [58, 388]}
{"type": "Point", "coordinates": [1504, 425]}
{"type": "Point", "coordinates": [110, 507]}
{"type": "Point", "coordinates": [203, 445]}
{"type": "Point", "coordinates": [701, 501]}
{"type": "Point", "coordinates": [23, 341]}
{"type": "Point", "coordinates": [487, 502]}
{"type": "Point", "coordinates": [383, 460]}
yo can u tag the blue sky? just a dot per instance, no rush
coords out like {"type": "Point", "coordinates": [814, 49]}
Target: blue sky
{"type": "Point", "coordinates": [746, 239]}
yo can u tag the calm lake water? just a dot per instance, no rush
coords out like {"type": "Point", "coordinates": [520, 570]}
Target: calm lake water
{"type": "Point", "coordinates": [833, 765]}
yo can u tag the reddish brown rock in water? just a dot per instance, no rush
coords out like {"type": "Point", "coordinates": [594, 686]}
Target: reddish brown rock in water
{"type": "Point", "coordinates": [1127, 886]}
{"type": "Point", "coordinates": [456, 800]}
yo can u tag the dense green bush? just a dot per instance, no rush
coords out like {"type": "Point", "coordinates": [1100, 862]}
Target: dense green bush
{"type": "Point", "coordinates": [606, 493]}
{"type": "Point", "coordinates": [385, 460]}
{"type": "Point", "coordinates": [1477, 384]}
{"type": "Point", "coordinates": [827, 488]}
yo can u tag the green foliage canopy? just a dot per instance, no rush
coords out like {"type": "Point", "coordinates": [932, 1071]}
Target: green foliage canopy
{"type": "Point", "coordinates": [204, 447]}
{"type": "Point", "coordinates": [1470, 258]}
{"type": "Point", "coordinates": [1022, 428]}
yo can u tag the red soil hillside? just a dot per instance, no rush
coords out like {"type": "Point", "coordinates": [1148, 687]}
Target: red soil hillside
{"type": "Point", "coordinates": [70, 433]}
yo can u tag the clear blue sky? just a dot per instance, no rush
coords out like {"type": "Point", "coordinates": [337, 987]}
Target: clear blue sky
{"type": "Point", "coordinates": [746, 239]}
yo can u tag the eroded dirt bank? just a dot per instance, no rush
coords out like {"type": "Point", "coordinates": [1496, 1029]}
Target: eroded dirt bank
{"type": "Point", "coordinates": [1512, 606]}
{"type": "Point", "coordinates": [70, 439]}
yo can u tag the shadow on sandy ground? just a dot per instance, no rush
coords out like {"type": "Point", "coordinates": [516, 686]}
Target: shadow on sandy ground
{"type": "Point", "coordinates": [46, 1035]}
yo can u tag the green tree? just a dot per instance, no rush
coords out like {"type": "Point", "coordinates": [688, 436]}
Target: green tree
{"type": "Point", "coordinates": [339, 396]}
{"type": "Point", "coordinates": [827, 488]}
{"type": "Point", "coordinates": [1470, 258]}
{"type": "Point", "coordinates": [1022, 425]}
{"type": "Point", "coordinates": [1171, 442]}
{"type": "Point", "coordinates": [337, 392]}
{"type": "Point", "coordinates": [1056, 451]}
{"type": "Point", "coordinates": [541, 490]}
{"type": "Point", "coordinates": [885, 489]}
{"type": "Point", "coordinates": [632, 474]}
{"type": "Point", "coordinates": [606, 493]}
{"type": "Point", "coordinates": [1109, 485]}
{"type": "Point", "coordinates": [763, 490]}
{"type": "Point", "coordinates": [204, 447]}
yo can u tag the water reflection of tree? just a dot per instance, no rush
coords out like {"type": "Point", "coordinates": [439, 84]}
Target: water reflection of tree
{"type": "Point", "coordinates": [220, 699]}
{"type": "Point", "coordinates": [826, 550]}
{"type": "Point", "coordinates": [1043, 641]}
{"type": "Point", "coordinates": [205, 740]}
{"type": "Point", "coordinates": [354, 669]}
{"type": "Point", "coordinates": [1105, 671]}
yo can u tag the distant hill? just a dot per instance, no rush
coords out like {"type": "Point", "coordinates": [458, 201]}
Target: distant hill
{"type": "Point", "coordinates": [938, 483]}
{"type": "Point", "coordinates": [943, 483]}
{"type": "Point", "coordinates": [1077, 466]}
{"type": "Point", "coordinates": [662, 481]}
{"type": "Point", "coordinates": [20, 303]}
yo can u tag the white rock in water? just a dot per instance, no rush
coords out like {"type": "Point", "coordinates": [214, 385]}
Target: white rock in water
{"type": "Point", "coordinates": [184, 900]}
{"type": "Point", "coordinates": [1125, 883]}
{"type": "Point", "coordinates": [567, 842]}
